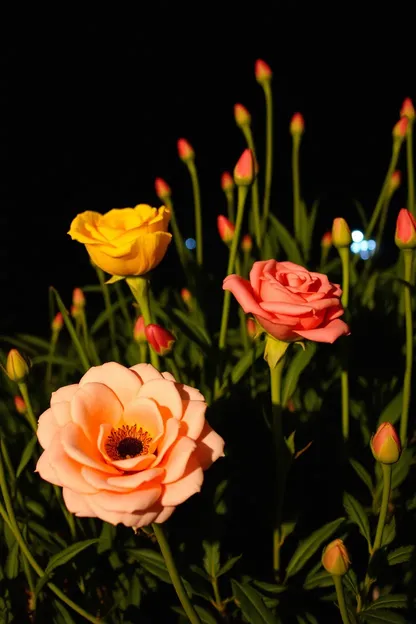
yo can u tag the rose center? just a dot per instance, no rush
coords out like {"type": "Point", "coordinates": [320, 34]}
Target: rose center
{"type": "Point", "coordinates": [127, 442]}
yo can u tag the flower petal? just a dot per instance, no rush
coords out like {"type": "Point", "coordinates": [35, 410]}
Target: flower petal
{"type": "Point", "coordinates": [210, 446]}
{"type": "Point", "coordinates": [177, 458]}
{"type": "Point", "coordinates": [93, 405]}
{"type": "Point", "coordinates": [46, 471]}
{"type": "Point", "coordinates": [171, 433]}
{"type": "Point", "coordinates": [144, 413]}
{"type": "Point", "coordinates": [98, 480]}
{"type": "Point", "coordinates": [179, 491]}
{"type": "Point", "coordinates": [64, 394]}
{"type": "Point", "coordinates": [193, 418]}
{"type": "Point", "coordinates": [118, 378]}
{"type": "Point", "coordinates": [133, 481]}
{"type": "Point", "coordinates": [146, 372]}
{"type": "Point", "coordinates": [77, 504]}
{"type": "Point", "coordinates": [330, 333]}
{"type": "Point", "coordinates": [164, 515]}
{"type": "Point", "coordinates": [166, 396]}
{"type": "Point", "coordinates": [80, 449]}
{"type": "Point", "coordinates": [243, 292]}
{"type": "Point", "coordinates": [138, 500]}
{"type": "Point", "coordinates": [62, 412]}
{"type": "Point", "coordinates": [47, 428]}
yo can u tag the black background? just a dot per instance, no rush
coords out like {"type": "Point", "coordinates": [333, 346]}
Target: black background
{"type": "Point", "coordinates": [92, 107]}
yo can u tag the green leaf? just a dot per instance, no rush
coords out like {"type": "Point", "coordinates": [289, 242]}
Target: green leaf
{"type": "Point", "coordinates": [63, 611]}
{"type": "Point", "coordinates": [319, 578]}
{"type": "Point", "coordinates": [191, 328]}
{"type": "Point", "coordinates": [274, 351]}
{"type": "Point", "coordinates": [401, 468]}
{"type": "Point", "coordinates": [78, 346]}
{"type": "Point", "coordinates": [298, 363]}
{"type": "Point", "coordinates": [107, 536]}
{"type": "Point", "coordinates": [390, 601]}
{"type": "Point", "coordinates": [151, 561]}
{"type": "Point", "coordinates": [67, 554]}
{"type": "Point", "coordinates": [211, 558]}
{"type": "Point", "coordinates": [246, 361]}
{"type": "Point", "coordinates": [392, 411]}
{"type": "Point", "coordinates": [363, 474]}
{"type": "Point", "coordinates": [204, 615]}
{"type": "Point", "coordinates": [103, 317]}
{"type": "Point", "coordinates": [270, 587]}
{"type": "Point", "coordinates": [55, 359]}
{"type": "Point", "coordinates": [26, 456]}
{"type": "Point", "coordinates": [382, 616]}
{"type": "Point", "coordinates": [252, 605]}
{"type": "Point", "coordinates": [11, 567]}
{"type": "Point", "coordinates": [389, 532]}
{"type": "Point", "coordinates": [288, 243]}
{"type": "Point", "coordinates": [310, 545]}
{"type": "Point", "coordinates": [228, 565]}
{"type": "Point", "coordinates": [400, 555]}
{"type": "Point", "coordinates": [357, 514]}
{"type": "Point", "coordinates": [41, 343]}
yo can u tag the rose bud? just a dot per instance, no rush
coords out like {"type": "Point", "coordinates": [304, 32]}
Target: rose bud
{"type": "Point", "coordinates": [247, 243]}
{"type": "Point", "coordinates": [78, 298]}
{"type": "Point", "coordinates": [186, 296]}
{"type": "Point", "coordinates": [76, 312]}
{"type": "Point", "coordinates": [245, 169]}
{"type": "Point", "coordinates": [139, 330]}
{"type": "Point", "coordinates": [335, 558]}
{"type": "Point", "coordinates": [185, 150]}
{"type": "Point", "coordinates": [16, 366]}
{"type": "Point", "coordinates": [226, 229]}
{"type": "Point", "coordinates": [341, 234]}
{"type": "Point", "coordinates": [395, 181]}
{"type": "Point", "coordinates": [227, 182]}
{"type": "Point", "coordinates": [407, 109]}
{"type": "Point", "coordinates": [251, 328]}
{"type": "Point", "coordinates": [297, 125]}
{"type": "Point", "coordinates": [160, 339]}
{"type": "Point", "coordinates": [57, 323]}
{"type": "Point", "coordinates": [262, 71]}
{"type": "Point", "coordinates": [326, 240]}
{"type": "Point", "coordinates": [162, 189]}
{"type": "Point", "coordinates": [241, 115]}
{"type": "Point", "coordinates": [20, 405]}
{"type": "Point", "coordinates": [400, 129]}
{"type": "Point", "coordinates": [385, 444]}
{"type": "Point", "coordinates": [405, 237]}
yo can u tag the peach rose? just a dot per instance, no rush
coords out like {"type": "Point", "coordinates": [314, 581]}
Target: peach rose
{"type": "Point", "coordinates": [126, 445]}
{"type": "Point", "coordinates": [289, 302]}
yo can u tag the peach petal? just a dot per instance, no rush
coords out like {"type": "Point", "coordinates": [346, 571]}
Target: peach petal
{"type": "Point", "coordinates": [46, 471]}
{"type": "Point", "coordinates": [77, 504]}
{"type": "Point", "coordinates": [177, 458]}
{"type": "Point", "coordinates": [62, 412]}
{"type": "Point", "coordinates": [146, 372]}
{"type": "Point", "coordinates": [187, 393]}
{"type": "Point", "coordinates": [99, 480]}
{"type": "Point", "coordinates": [124, 383]}
{"type": "Point", "coordinates": [210, 446]}
{"type": "Point", "coordinates": [243, 292]}
{"type": "Point", "coordinates": [79, 448]}
{"type": "Point", "coordinates": [330, 333]}
{"type": "Point", "coordinates": [113, 517]}
{"type": "Point", "coordinates": [168, 376]}
{"type": "Point", "coordinates": [194, 418]}
{"type": "Point", "coordinates": [68, 471]}
{"type": "Point", "coordinates": [64, 394]}
{"type": "Point", "coordinates": [171, 433]}
{"type": "Point", "coordinates": [94, 404]}
{"type": "Point", "coordinates": [47, 428]}
{"type": "Point", "coordinates": [104, 431]}
{"type": "Point", "coordinates": [164, 515]}
{"type": "Point", "coordinates": [144, 413]}
{"type": "Point", "coordinates": [130, 481]}
{"type": "Point", "coordinates": [138, 500]}
{"type": "Point", "coordinates": [165, 394]}
{"type": "Point", "coordinates": [178, 492]}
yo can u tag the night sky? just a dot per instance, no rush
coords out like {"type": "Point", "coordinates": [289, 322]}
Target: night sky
{"type": "Point", "coordinates": [92, 108]}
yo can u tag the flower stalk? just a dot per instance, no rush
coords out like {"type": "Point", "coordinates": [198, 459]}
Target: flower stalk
{"type": "Point", "coordinates": [407, 382]}
{"type": "Point", "coordinates": [139, 286]}
{"type": "Point", "coordinates": [387, 470]}
{"type": "Point", "coordinates": [341, 599]}
{"type": "Point", "coordinates": [111, 323]}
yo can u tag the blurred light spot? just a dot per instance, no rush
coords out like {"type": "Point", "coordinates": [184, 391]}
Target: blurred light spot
{"type": "Point", "coordinates": [365, 254]}
{"type": "Point", "coordinates": [371, 245]}
{"type": "Point", "coordinates": [364, 245]}
{"type": "Point", "coordinates": [190, 243]}
{"type": "Point", "coordinates": [355, 247]}
{"type": "Point", "coordinates": [357, 236]}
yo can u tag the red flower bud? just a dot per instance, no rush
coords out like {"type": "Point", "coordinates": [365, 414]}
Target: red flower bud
{"type": "Point", "coordinates": [162, 189]}
{"type": "Point", "coordinates": [395, 181]}
{"type": "Point", "coordinates": [241, 115]}
{"type": "Point", "coordinates": [247, 243]}
{"type": "Point", "coordinates": [57, 323]}
{"type": "Point", "coordinates": [407, 109]}
{"type": "Point", "coordinates": [226, 229]}
{"type": "Point", "coordinates": [245, 169]}
{"type": "Point", "coordinates": [297, 125]}
{"type": "Point", "coordinates": [20, 405]}
{"type": "Point", "coordinates": [262, 71]}
{"type": "Point", "coordinates": [185, 150]}
{"type": "Point", "coordinates": [160, 339]}
{"type": "Point", "coordinates": [400, 129]}
{"type": "Point", "coordinates": [385, 444]}
{"type": "Point", "coordinates": [405, 237]}
{"type": "Point", "coordinates": [341, 234]}
{"type": "Point", "coordinates": [78, 298]}
{"type": "Point", "coordinates": [186, 296]}
{"type": "Point", "coordinates": [139, 330]}
{"type": "Point", "coordinates": [227, 182]}
{"type": "Point", "coordinates": [326, 240]}
{"type": "Point", "coordinates": [335, 558]}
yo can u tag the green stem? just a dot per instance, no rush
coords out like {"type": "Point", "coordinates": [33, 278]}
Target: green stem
{"type": "Point", "coordinates": [10, 518]}
{"type": "Point", "coordinates": [275, 390]}
{"type": "Point", "coordinates": [296, 187]}
{"type": "Point", "coordinates": [410, 170]}
{"type": "Point", "coordinates": [230, 204]}
{"type": "Point", "coordinates": [88, 341]}
{"type": "Point", "coordinates": [217, 596]}
{"type": "Point", "coordinates": [344, 253]}
{"type": "Point", "coordinates": [177, 236]}
{"type": "Point", "coordinates": [139, 286]}
{"type": "Point", "coordinates": [269, 152]}
{"type": "Point", "coordinates": [29, 409]}
{"type": "Point", "coordinates": [111, 323]}
{"type": "Point", "coordinates": [54, 340]}
{"type": "Point", "coordinates": [198, 212]}
{"type": "Point", "coordinates": [123, 306]}
{"type": "Point", "coordinates": [345, 404]}
{"type": "Point", "coordinates": [383, 219]}
{"type": "Point", "coordinates": [255, 197]}
{"type": "Point", "coordinates": [143, 351]}
{"type": "Point", "coordinates": [174, 574]}
{"type": "Point", "coordinates": [387, 469]}
{"type": "Point", "coordinates": [407, 383]}
{"type": "Point", "coordinates": [341, 599]}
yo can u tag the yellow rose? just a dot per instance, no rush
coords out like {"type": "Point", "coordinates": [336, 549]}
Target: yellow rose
{"type": "Point", "coordinates": [124, 241]}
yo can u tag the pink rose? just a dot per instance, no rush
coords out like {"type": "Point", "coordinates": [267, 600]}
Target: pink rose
{"type": "Point", "coordinates": [126, 445]}
{"type": "Point", "coordinates": [289, 302]}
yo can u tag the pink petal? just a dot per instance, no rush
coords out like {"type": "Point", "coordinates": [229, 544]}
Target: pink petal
{"type": "Point", "coordinates": [243, 292]}
{"type": "Point", "coordinates": [210, 446]}
{"type": "Point", "coordinates": [47, 428]}
{"type": "Point", "coordinates": [166, 396]}
{"type": "Point", "coordinates": [62, 412]}
{"type": "Point", "coordinates": [77, 504]}
{"type": "Point", "coordinates": [164, 515]}
{"type": "Point", "coordinates": [171, 433]}
{"type": "Point", "coordinates": [133, 481]}
{"type": "Point", "coordinates": [138, 500]}
{"type": "Point", "coordinates": [177, 458]}
{"type": "Point", "coordinates": [68, 470]}
{"type": "Point", "coordinates": [64, 394]}
{"type": "Point", "coordinates": [278, 330]}
{"type": "Point", "coordinates": [282, 307]}
{"type": "Point", "coordinates": [193, 418]}
{"type": "Point", "coordinates": [178, 492]}
{"type": "Point", "coordinates": [292, 267]}
{"type": "Point", "coordinates": [146, 372]}
{"type": "Point", "coordinates": [80, 449]}
{"type": "Point", "coordinates": [124, 382]}
{"type": "Point", "coordinates": [46, 471]}
{"type": "Point", "coordinates": [330, 333]}
{"type": "Point", "coordinates": [256, 274]}
{"type": "Point", "coordinates": [93, 405]}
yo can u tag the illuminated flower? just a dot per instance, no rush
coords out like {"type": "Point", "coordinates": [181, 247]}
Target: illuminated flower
{"type": "Point", "coordinates": [226, 229]}
{"type": "Point", "coordinates": [335, 558]}
{"type": "Point", "coordinates": [124, 241]}
{"type": "Point", "coordinates": [160, 339]}
{"type": "Point", "coordinates": [385, 444]}
{"type": "Point", "coordinates": [126, 445]}
{"type": "Point", "coordinates": [405, 236]}
{"type": "Point", "coordinates": [297, 125]}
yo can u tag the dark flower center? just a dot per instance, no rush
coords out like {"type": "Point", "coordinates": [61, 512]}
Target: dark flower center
{"type": "Point", "coordinates": [129, 447]}
{"type": "Point", "coordinates": [127, 442]}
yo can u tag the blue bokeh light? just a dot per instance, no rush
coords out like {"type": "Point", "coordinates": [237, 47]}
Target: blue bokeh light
{"type": "Point", "coordinates": [190, 243]}
{"type": "Point", "coordinates": [365, 254]}
{"type": "Point", "coordinates": [355, 247]}
{"type": "Point", "coordinates": [371, 245]}
{"type": "Point", "coordinates": [364, 245]}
